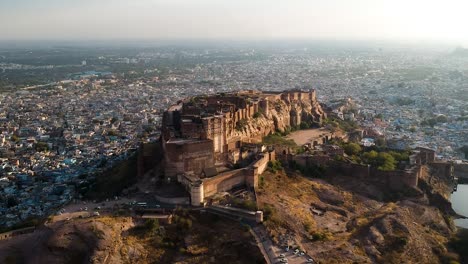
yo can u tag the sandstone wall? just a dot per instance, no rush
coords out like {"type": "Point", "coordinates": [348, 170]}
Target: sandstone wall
{"type": "Point", "coordinates": [395, 180]}
{"type": "Point", "coordinates": [245, 176]}
{"type": "Point", "coordinates": [189, 157]}
{"type": "Point", "coordinates": [223, 182]}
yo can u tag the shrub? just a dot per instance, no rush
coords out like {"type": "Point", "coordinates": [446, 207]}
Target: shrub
{"type": "Point", "coordinates": [274, 166]}
{"type": "Point", "coordinates": [152, 225]}
{"type": "Point", "coordinates": [319, 236]}
{"type": "Point", "coordinates": [261, 184]}
{"type": "Point", "coordinates": [241, 124]}
{"type": "Point", "coordinates": [352, 149]}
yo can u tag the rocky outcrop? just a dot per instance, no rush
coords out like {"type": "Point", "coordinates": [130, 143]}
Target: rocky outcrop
{"type": "Point", "coordinates": [282, 112]}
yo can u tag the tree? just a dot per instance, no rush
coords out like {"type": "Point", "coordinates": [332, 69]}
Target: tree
{"type": "Point", "coordinates": [352, 149]}
{"type": "Point", "coordinates": [387, 162]}
{"type": "Point", "coordinates": [152, 225]}
{"type": "Point", "coordinates": [371, 157]}
{"type": "Point", "coordinates": [15, 138]}
{"type": "Point", "coordinates": [304, 125]}
{"type": "Point", "coordinates": [41, 146]}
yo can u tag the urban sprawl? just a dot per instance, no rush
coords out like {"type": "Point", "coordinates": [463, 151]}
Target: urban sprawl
{"type": "Point", "coordinates": [56, 136]}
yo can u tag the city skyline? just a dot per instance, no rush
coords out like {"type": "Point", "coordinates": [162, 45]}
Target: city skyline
{"type": "Point", "coordinates": [416, 21]}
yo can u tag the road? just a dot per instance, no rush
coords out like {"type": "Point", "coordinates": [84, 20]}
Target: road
{"type": "Point", "coordinates": [270, 251]}
{"type": "Point", "coordinates": [274, 251]}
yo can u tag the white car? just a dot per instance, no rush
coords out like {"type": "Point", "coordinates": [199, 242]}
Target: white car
{"type": "Point", "coordinates": [310, 261]}
{"type": "Point", "coordinates": [284, 260]}
{"type": "Point", "coordinates": [281, 255]}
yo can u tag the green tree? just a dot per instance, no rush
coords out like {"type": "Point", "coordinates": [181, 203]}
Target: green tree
{"type": "Point", "coordinates": [386, 161]}
{"type": "Point", "coordinates": [152, 225]}
{"type": "Point", "coordinates": [371, 157]}
{"type": "Point", "coordinates": [41, 146]}
{"type": "Point", "coordinates": [352, 149]}
{"type": "Point", "coordinates": [15, 138]}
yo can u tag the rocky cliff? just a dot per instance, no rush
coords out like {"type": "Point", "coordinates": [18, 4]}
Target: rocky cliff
{"type": "Point", "coordinates": [280, 113]}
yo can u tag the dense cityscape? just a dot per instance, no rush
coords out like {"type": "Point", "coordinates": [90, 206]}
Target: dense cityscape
{"type": "Point", "coordinates": [74, 116]}
{"type": "Point", "coordinates": [52, 135]}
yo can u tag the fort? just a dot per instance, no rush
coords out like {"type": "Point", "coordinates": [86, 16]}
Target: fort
{"type": "Point", "coordinates": [212, 143]}
{"type": "Point", "coordinates": [209, 141]}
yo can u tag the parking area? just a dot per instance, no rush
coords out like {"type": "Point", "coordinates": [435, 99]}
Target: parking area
{"type": "Point", "coordinates": [293, 256]}
{"type": "Point", "coordinates": [88, 208]}
{"type": "Point", "coordinates": [277, 254]}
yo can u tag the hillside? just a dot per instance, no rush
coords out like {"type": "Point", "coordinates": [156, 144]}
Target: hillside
{"type": "Point", "coordinates": [359, 223]}
{"type": "Point", "coordinates": [192, 238]}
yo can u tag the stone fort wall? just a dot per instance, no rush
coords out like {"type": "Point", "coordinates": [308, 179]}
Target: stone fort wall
{"type": "Point", "coordinates": [395, 180]}
{"type": "Point", "coordinates": [187, 157]}
{"type": "Point", "coordinates": [226, 181]}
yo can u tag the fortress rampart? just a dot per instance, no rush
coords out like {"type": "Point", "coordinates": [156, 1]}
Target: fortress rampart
{"type": "Point", "coordinates": [203, 133]}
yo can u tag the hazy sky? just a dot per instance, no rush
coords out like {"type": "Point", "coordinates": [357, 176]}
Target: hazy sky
{"type": "Point", "coordinates": [445, 20]}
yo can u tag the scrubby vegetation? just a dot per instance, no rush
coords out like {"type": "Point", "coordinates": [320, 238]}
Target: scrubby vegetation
{"type": "Point", "coordinates": [336, 123]}
{"type": "Point", "coordinates": [343, 219]}
{"type": "Point", "coordinates": [241, 124]}
{"type": "Point", "coordinates": [244, 204]}
{"type": "Point", "coordinates": [380, 158]}
{"type": "Point", "coordinates": [274, 166]}
{"type": "Point", "coordinates": [279, 140]}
